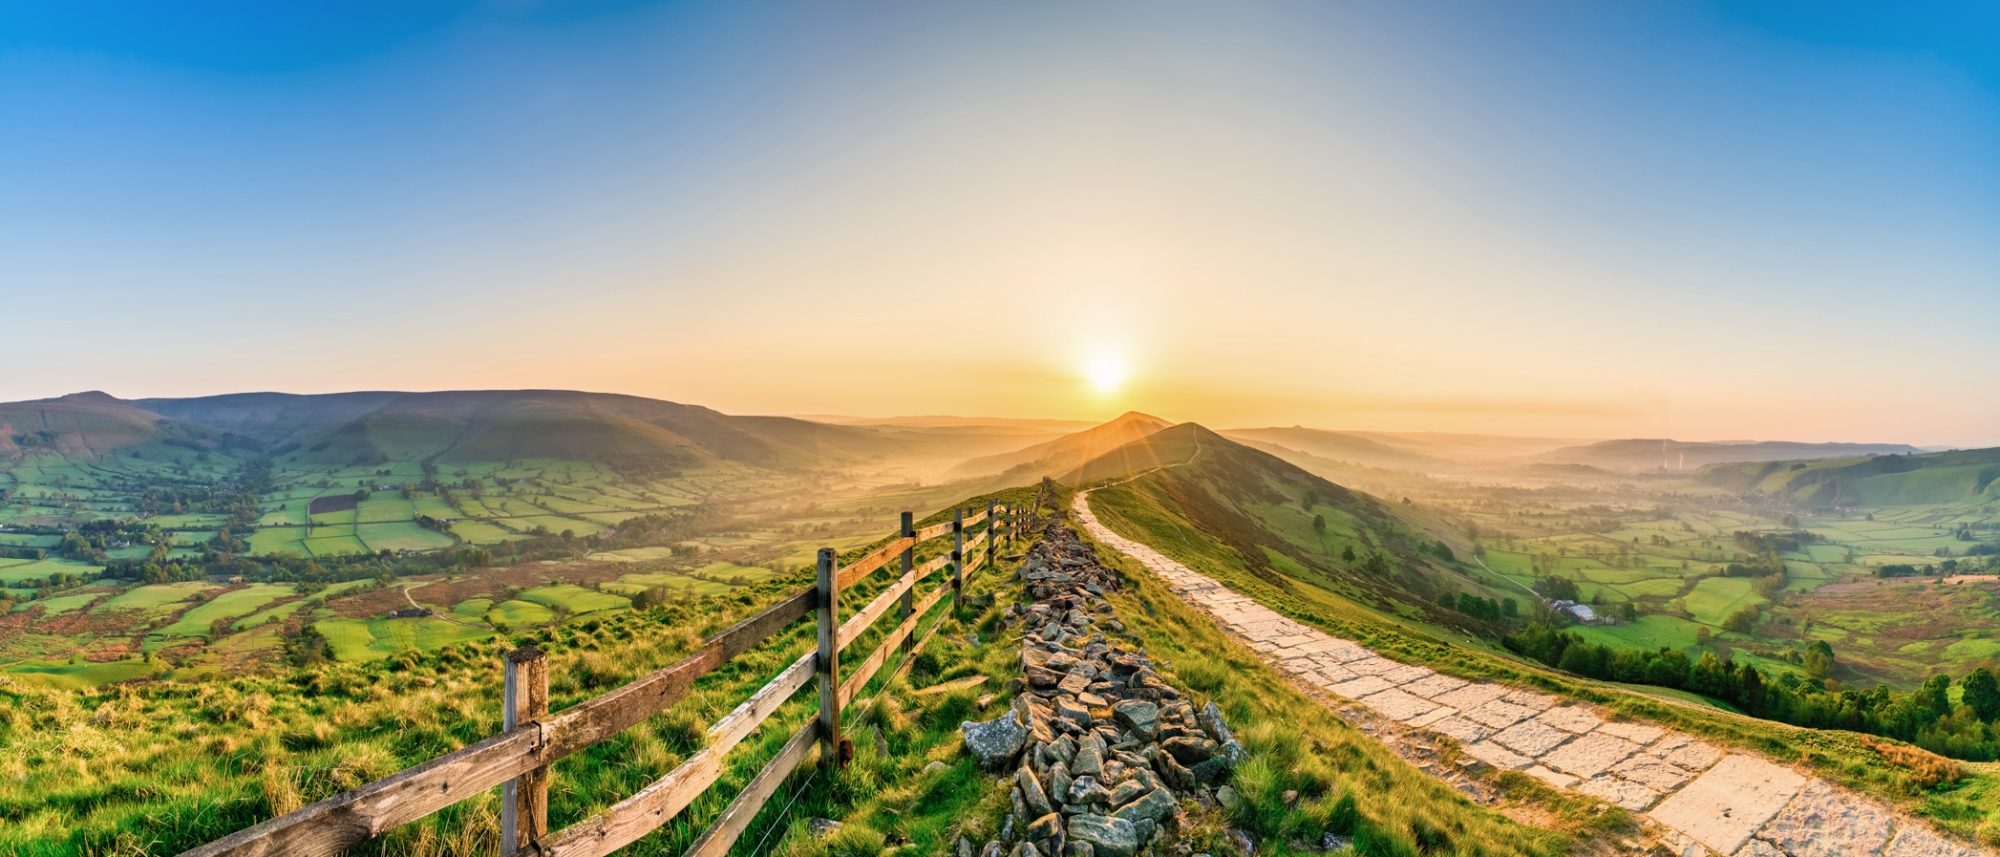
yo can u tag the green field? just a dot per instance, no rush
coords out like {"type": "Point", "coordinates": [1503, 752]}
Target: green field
{"type": "Point", "coordinates": [40, 569]}
{"type": "Point", "coordinates": [335, 545]}
{"type": "Point", "coordinates": [401, 536]}
{"type": "Point", "coordinates": [1652, 631]}
{"type": "Point", "coordinates": [1714, 598]}
{"type": "Point", "coordinates": [518, 614]}
{"type": "Point", "coordinates": [77, 676]}
{"type": "Point", "coordinates": [357, 640]}
{"type": "Point", "coordinates": [232, 604]}
{"type": "Point", "coordinates": [156, 600]}
{"type": "Point", "coordinates": [62, 603]}
{"type": "Point", "coordinates": [576, 598]}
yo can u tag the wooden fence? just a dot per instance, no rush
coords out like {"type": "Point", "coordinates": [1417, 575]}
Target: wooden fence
{"type": "Point", "coordinates": [532, 737]}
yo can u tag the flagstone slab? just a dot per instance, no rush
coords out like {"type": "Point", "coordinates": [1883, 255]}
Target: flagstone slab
{"type": "Point", "coordinates": [1685, 752]}
{"type": "Point", "coordinates": [1407, 674]}
{"type": "Point", "coordinates": [1637, 733]}
{"type": "Point", "coordinates": [1532, 738]}
{"type": "Point", "coordinates": [1470, 697]}
{"type": "Point", "coordinates": [1590, 755]}
{"type": "Point", "coordinates": [1359, 687]}
{"type": "Point", "coordinates": [1373, 666]}
{"type": "Point", "coordinates": [1723, 807]}
{"type": "Point", "coordinates": [1823, 822]}
{"type": "Point", "coordinates": [1434, 686]}
{"type": "Point", "coordinates": [1460, 729]}
{"type": "Point", "coordinates": [1437, 714]}
{"type": "Point", "coordinates": [1625, 793]}
{"type": "Point", "coordinates": [1915, 841]}
{"type": "Point", "coordinates": [1498, 756]}
{"type": "Point", "coordinates": [1653, 771]}
{"type": "Point", "coordinates": [1571, 718]}
{"type": "Point", "coordinates": [1397, 705]}
{"type": "Point", "coordinates": [1496, 714]}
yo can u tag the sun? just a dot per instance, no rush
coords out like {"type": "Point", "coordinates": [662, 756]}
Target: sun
{"type": "Point", "coordinates": [1106, 372]}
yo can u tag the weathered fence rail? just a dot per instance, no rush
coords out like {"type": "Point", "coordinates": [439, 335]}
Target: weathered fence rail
{"type": "Point", "coordinates": [532, 737]}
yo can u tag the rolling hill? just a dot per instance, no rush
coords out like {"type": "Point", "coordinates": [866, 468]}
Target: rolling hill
{"type": "Point", "coordinates": [1062, 454]}
{"type": "Point", "coordinates": [1341, 446]}
{"type": "Point", "coordinates": [1968, 476]}
{"type": "Point", "coordinates": [514, 424]}
{"type": "Point", "coordinates": [1232, 506]}
{"type": "Point", "coordinates": [1639, 454]}
{"type": "Point", "coordinates": [89, 424]}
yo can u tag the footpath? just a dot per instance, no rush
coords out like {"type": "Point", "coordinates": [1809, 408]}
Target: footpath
{"type": "Point", "coordinates": [1707, 800]}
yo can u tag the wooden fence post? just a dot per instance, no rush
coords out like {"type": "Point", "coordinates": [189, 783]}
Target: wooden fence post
{"type": "Point", "coordinates": [908, 604]}
{"type": "Point", "coordinates": [524, 801]}
{"type": "Point", "coordinates": [992, 530]}
{"type": "Point", "coordinates": [829, 660]}
{"type": "Point", "coordinates": [957, 558]}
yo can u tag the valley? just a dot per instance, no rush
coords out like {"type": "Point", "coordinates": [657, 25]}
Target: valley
{"type": "Point", "coordinates": [234, 548]}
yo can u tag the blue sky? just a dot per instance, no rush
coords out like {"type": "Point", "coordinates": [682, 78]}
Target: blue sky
{"type": "Point", "coordinates": [1586, 219]}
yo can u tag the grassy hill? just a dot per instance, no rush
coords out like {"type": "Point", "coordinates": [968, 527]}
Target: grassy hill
{"type": "Point", "coordinates": [1189, 485]}
{"type": "Point", "coordinates": [1063, 454]}
{"type": "Point", "coordinates": [1341, 446]}
{"type": "Point", "coordinates": [90, 424]}
{"type": "Point", "coordinates": [1967, 476]}
{"type": "Point", "coordinates": [1633, 454]}
{"type": "Point", "coordinates": [491, 425]}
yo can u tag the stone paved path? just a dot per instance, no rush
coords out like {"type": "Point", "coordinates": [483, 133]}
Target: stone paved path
{"type": "Point", "coordinates": [1710, 800]}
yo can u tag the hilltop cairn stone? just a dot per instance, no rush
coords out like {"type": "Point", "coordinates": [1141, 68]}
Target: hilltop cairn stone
{"type": "Point", "coordinates": [1102, 750]}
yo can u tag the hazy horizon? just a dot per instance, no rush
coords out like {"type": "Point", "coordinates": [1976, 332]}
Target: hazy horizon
{"type": "Point", "coordinates": [1688, 220]}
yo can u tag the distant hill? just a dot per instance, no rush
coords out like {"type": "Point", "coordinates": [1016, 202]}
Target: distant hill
{"type": "Point", "coordinates": [87, 424]}
{"type": "Point", "coordinates": [1202, 492]}
{"type": "Point", "coordinates": [1063, 454]}
{"type": "Point", "coordinates": [488, 425]}
{"type": "Point", "coordinates": [1968, 476]}
{"type": "Point", "coordinates": [1341, 446]}
{"type": "Point", "coordinates": [1639, 454]}
{"type": "Point", "coordinates": [1468, 448]}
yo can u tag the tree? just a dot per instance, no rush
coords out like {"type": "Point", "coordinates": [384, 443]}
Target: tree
{"type": "Point", "coordinates": [1819, 659]}
{"type": "Point", "coordinates": [1347, 553]}
{"type": "Point", "coordinates": [1982, 693]}
{"type": "Point", "coordinates": [1702, 635]}
{"type": "Point", "coordinates": [1935, 695]}
{"type": "Point", "coordinates": [1628, 612]}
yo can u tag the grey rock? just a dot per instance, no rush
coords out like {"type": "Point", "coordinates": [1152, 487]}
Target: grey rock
{"type": "Point", "coordinates": [1227, 797]}
{"type": "Point", "coordinates": [993, 849]}
{"type": "Point", "coordinates": [995, 742]}
{"type": "Point", "coordinates": [1032, 793]}
{"type": "Point", "coordinates": [823, 826]}
{"type": "Point", "coordinates": [1026, 849]}
{"type": "Point", "coordinates": [1143, 718]}
{"type": "Point", "coordinates": [1152, 806]}
{"type": "Point", "coordinates": [1045, 828]}
{"type": "Point", "coordinates": [1188, 751]}
{"type": "Point", "coordinates": [1108, 837]}
{"type": "Point", "coordinates": [1128, 791]}
{"type": "Point", "coordinates": [1060, 782]}
{"type": "Point", "coordinates": [1209, 772]}
{"type": "Point", "coordinates": [1089, 761]}
{"type": "Point", "coordinates": [935, 767]}
{"type": "Point", "coordinates": [1211, 720]}
{"type": "Point", "coordinates": [1084, 791]}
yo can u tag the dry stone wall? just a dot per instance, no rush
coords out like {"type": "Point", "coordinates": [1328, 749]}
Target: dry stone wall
{"type": "Point", "coordinates": [1710, 801]}
{"type": "Point", "coordinates": [1101, 750]}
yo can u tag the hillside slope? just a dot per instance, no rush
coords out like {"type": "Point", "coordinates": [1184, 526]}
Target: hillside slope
{"type": "Point", "coordinates": [1342, 447]}
{"type": "Point", "coordinates": [1967, 476]}
{"type": "Point", "coordinates": [1635, 454]}
{"type": "Point", "coordinates": [1062, 454]}
{"type": "Point", "coordinates": [1191, 485]}
{"type": "Point", "coordinates": [87, 424]}
{"type": "Point", "coordinates": [509, 424]}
